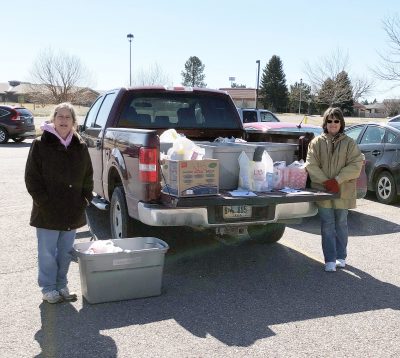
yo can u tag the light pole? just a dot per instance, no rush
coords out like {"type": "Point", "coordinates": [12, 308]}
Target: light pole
{"type": "Point", "coordinates": [258, 81]}
{"type": "Point", "coordinates": [301, 82]}
{"type": "Point", "coordinates": [130, 37]}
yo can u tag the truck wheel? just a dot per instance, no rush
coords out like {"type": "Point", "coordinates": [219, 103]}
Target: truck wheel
{"type": "Point", "coordinates": [385, 188]}
{"type": "Point", "coordinates": [266, 234]}
{"type": "Point", "coordinates": [3, 136]}
{"type": "Point", "coordinates": [121, 223]}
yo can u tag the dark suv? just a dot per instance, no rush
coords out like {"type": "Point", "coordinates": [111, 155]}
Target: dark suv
{"type": "Point", "coordinates": [16, 123]}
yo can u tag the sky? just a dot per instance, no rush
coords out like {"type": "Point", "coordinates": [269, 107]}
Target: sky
{"type": "Point", "coordinates": [227, 36]}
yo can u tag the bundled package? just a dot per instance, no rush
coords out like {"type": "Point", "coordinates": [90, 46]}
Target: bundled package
{"type": "Point", "coordinates": [293, 176]}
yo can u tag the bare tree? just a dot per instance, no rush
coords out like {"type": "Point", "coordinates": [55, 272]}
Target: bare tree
{"type": "Point", "coordinates": [389, 66]}
{"type": "Point", "coordinates": [153, 76]}
{"type": "Point", "coordinates": [392, 107]}
{"type": "Point", "coordinates": [330, 67]}
{"type": "Point", "coordinates": [57, 76]}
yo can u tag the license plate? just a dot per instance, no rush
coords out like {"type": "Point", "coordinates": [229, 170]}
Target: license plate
{"type": "Point", "coordinates": [237, 211]}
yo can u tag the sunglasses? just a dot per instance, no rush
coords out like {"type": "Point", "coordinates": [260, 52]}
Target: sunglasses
{"type": "Point", "coordinates": [334, 121]}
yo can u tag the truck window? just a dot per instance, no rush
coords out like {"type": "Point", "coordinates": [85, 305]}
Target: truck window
{"type": "Point", "coordinates": [105, 110]}
{"type": "Point", "coordinates": [92, 114]}
{"type": "Point", "coordinates": [178, 110]}
{"type": "Point", "coordinates": [267, 117]}
{"type": "Point", "coordinates": [249, 116]}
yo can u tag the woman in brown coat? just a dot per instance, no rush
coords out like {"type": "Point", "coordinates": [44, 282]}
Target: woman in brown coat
{"type": "Point", "coordinates": [59, 177]}
{"type": "Point", "coordinates": [334, 163]}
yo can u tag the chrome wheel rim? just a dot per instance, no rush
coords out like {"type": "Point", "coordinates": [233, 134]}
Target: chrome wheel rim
{"type": "Point", "coordinates": [384, 188]}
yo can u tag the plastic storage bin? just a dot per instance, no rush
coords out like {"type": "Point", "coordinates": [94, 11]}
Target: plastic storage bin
{"type": "Point", "coordinates": [122, 275]}
{"type": "Point", "coordinates": [228, 155]}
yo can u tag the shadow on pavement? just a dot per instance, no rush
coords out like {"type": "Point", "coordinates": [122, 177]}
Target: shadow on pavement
{"type": "Point", "coordinates": [233, 293]}
{"type": "Point", "coordinates": [359, 225]}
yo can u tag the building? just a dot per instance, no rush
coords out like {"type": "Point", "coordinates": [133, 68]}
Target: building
{"type": "Point", "coordinates": [243, 97]}
{"type": "Point", "coordinates": [25, 92]}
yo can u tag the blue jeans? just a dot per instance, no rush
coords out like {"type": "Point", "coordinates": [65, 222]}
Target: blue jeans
{"type": "Point", "coordinates": [54, 257]}
{"type": "Point", "coordinates": [334, 233]}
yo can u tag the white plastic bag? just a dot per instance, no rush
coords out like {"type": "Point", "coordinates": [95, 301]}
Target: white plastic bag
{"type": "Point", "coordinates": [102, 247]}
{"type": "Point", "coordinates": [253, 175]}
{"type": "Point", "coordinates": [184, 149]}
{"type": "Point", "coordinates": [245, 181]}
{"type": "Point", "coordinates": [169, 136]}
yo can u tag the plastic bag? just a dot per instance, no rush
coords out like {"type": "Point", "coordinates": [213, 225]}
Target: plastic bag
{"type": "Point", "coordinates": [102, 247]}
{"type": "Point", "coordinates": [256, 176]}
{"type": "Point", "coordinates": [293, 176]}
{"type": "Point", "coordinates": [184, 149]}
{"type": "Point", "coordinates": [169, 136]}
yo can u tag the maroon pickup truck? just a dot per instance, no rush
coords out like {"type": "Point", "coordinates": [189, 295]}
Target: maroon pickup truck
{"type": "Point", "coordinates": [122, 130]}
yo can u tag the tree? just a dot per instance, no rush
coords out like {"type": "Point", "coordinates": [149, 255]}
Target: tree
{"type": "Point", "coordinates": [329, 68]}
{"type": "Point", "coordinates": [153, 76]}
{"type": "Point", "coordinates": [273, 89]}
{"type": "Point", "coordinates": [237, 85]}
{"type": "Point", "coordinates": [300, 93]}
{"type": "Point", "coordinates": [193, 74]}
{"type": "Point", "coordinates": [389, 66]}
{"type": "Point", "coordinates": [57, 77]}
{"type": "Point", "coordinates": [336, 92]}
{"type": "Point", "coordinates": [392, 107]}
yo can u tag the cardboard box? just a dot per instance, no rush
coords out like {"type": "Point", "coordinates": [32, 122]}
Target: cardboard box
{"type": "Point", "coordinates": [190, 177]}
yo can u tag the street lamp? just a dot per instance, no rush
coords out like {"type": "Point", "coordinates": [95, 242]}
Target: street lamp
{"type": "Point", "coordinates": [301, 82]}
{"type": "Point", "coordinates": [258, 81]}
{"type": "Point", "coordinates": [130, 37]}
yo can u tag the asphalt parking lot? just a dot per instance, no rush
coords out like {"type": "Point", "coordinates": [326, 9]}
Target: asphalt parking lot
{"type": "Point", "coordinates": [247, 300]}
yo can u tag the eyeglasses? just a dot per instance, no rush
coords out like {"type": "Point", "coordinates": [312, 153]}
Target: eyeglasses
{"type": "Point", "coordinates": [330, 121]}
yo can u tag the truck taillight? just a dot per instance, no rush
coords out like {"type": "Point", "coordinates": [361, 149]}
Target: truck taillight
{"type": "Point", "coordinates": [148, 165]}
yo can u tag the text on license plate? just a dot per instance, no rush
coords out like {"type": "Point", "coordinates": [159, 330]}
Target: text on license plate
{"type": "Point", "coordinates": [237, 211]}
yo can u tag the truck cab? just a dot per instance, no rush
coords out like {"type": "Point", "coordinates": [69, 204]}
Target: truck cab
{"type": "Point", "coordinates": [248, 115]}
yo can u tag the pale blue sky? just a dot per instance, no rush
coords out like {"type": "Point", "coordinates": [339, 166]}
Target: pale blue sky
{"type": "Point", "coordinates": [228, 37]}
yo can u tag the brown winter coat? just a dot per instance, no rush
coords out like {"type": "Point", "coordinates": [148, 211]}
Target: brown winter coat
{"type": "Point", "coordinates": [342, 161]}
{"type": "Point", "coordinates": [60, 181]}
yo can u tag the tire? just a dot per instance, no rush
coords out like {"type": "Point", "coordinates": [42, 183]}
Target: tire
{"type": "Point", "coordinates": [385, 188]}
{"type": "Point", "coordinates": [266, 234]}
{"type": "Point", "coordinates": [18, 139]}
{"type": "Point", "coordinates": [121, 223]}
{"type": "Point", "coordinates": [3, 136]}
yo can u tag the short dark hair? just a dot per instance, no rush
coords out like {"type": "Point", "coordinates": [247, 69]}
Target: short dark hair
{"type": "Point", "coordinates": [333, 113]}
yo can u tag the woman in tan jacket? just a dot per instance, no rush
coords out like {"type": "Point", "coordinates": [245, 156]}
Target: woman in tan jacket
{"type": "Point", "coordinates": [334, 163]}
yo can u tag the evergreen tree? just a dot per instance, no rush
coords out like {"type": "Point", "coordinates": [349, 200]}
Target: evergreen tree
{"type": "Point", "coordinates": [273, 89]}
{"type": "Point", "coordinates": [345, 93]}
{"type": "Point", "coordinates": [336, 93]}
{"type": "Point", "coordinates": [193, 74]}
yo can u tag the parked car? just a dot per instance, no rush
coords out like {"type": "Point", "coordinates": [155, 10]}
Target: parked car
{"type": "Point", "coordinates": [380, 144]}
{"type": "Point", "coordinates": [293, 133]}
{"type": "Point", "coordinates": [16, 123]}
{"type": "Point", "coordinates": [395, 119]}
{"type": "Point", "coordinates": [256, 115]}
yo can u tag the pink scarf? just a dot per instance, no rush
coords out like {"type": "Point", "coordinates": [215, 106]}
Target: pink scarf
{"type": "Point", "coordinates": [49, 127]}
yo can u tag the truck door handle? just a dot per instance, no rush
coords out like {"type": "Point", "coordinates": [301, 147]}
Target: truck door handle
{"type": "Point", "coordinates": [376, 152]}
{"type": "Point", "coordinates": [98, 143]}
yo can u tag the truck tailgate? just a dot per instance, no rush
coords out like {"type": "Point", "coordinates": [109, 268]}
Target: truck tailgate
{"type": "Point", "coordinates": [262, 198]}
